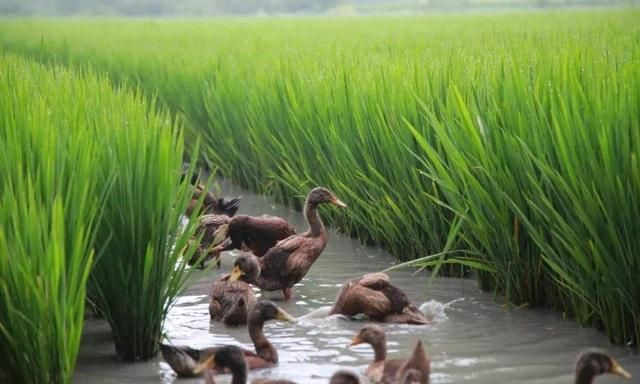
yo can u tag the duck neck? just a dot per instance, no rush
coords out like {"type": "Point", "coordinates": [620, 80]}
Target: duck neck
{"type": "Point", "coordinates": [584, 377]}
{"type": "Point", "coordinates": [315, 223]}
{"type": "Point", "coordinates": [263, 347]}
{"type": "Point", "coordinates": [380, 350]}
{"type": "Point", "coordinates": [239, 375]}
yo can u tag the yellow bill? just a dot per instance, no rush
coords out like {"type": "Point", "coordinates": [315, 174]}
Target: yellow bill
{"type": "Point", "coordinates": [616, 369]}
{"type": "Point", "coordinates": [336, 201]}
{"type": "Point", "coordinates": [356, 340]}
{"type": "Point", "coordinates": [209, 362]}
{"type": "Point", "coordinates": [235, 274]}
{"type": "Point", "coordinates": [284, 316]}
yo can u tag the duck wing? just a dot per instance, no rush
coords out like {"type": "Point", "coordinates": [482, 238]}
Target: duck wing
{"type": "Point", "coordinates": [364, 295]}
{"type": "Point", "coordinates": [261, 233]}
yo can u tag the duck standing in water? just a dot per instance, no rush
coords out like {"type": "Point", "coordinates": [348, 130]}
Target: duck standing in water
{"type": "Point", "coordinates": [594, 362]}
{"type": "Point", "coordinates": [386, 371]}
{"type": "Point", "coordinates": [256, 234]}
{"type": "Point", "coordinates": [375, 296]}
{"type": "Point", "coordinates": [289, 260]}
{"type": "Point", "coordinates": [184, 360]}
{"type": "Point", "coordinates": [232, 358]}
{"type": "Point", "coordinates": [231, 296]}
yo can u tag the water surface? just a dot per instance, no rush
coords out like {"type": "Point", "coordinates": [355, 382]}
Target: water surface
{"type": "Point", "coordinates": [478, 342]}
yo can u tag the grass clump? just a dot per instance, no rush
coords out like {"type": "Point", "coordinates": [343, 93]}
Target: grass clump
{"type": "Point", "coordinates": [47, 221]}
{"type": "Point", "coordinates": [84, 168]}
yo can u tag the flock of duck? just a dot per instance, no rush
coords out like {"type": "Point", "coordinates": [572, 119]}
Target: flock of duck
{"type": "Point", "coordinates": [274, 257]}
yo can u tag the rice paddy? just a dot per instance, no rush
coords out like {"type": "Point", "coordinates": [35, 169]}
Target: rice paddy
{"type": "Point", "coordinates": [506, 143]}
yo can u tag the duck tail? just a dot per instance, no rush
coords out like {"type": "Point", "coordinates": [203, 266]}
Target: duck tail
{"type": "Point", "coordinates": [229, 206]}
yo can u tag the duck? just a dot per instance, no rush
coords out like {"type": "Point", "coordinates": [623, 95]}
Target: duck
{"type": "Point", "coordinates": [375, 296]}
{"type": "Point", "coordinates": [344, 377]}
{"type": "Point", "coordinates": [256, 234]}
{"type": "Point", "coordinates": [287, 262]}
{"type": "Point", "coordinates": [594, 362]}
{"type": "Point", "coordinates": [232, 358]}
{"type": "Point", "coordinates": [210, 204]}
{"type": "Point", "coordinates": [212, 229]}
{"type": "Point", "coordinates": [183, 359]}
{"type": "Point", "coordinates": [231, 299]}
{"type": "Point", "coordinates": [386, 371]}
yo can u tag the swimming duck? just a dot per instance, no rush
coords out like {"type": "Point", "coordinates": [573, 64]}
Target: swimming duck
{"type": "Point", "coordinates": [375, 296]}
{"type": "Point", "coordinates": [213, 229]}
{"type": "Point", "coordinates": [594, 362]}
{"type": "Point", "coordinates": [232, 299]}
{"type": "Point", "coordinates": [210, 204]}
{"type": "Point", "coordinates": [256, 234]}
{"type": "Point", "coordinates": [386, 371]}
{"type": "Point", "coordinates": [289, 260]}
{"type": "Point", "coordinates": [232, 358]}
{"type": "Point", "coordinates": [344, 377]}
{"type": "Point", "coordinates": [183, 360]}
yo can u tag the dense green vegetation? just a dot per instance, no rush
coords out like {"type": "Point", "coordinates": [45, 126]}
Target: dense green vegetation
{"type": "Point", "coordinates": [84, 168]}
{"type": "Point", "coordinates": [511, 137]}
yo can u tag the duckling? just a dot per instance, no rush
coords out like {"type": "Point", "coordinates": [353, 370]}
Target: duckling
{"type": "Point", "coordinates": [231, 296]}
{"type": "Point", "coordinates": [290, 259]}
{"type": "Point", "coordinates": [183, 359]}
{"type": "Point", "coordinates": [386, 371]}
{"type": "Point", "coordinates": [256, 234]}
{"type": "Point", "coordinates": [232, 358]}
{"type": "Point", "coordinates": [594, 362]}
{"type": "Point", "coordinates": [375, 296]}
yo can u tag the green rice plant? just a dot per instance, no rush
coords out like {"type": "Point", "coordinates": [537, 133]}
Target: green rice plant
{"type": "Point", "coordinates": [141, 269]}
{"type": "Point", "coordinates": [47, 220]}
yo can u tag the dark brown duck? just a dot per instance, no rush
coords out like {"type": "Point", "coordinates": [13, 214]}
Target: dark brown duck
{"type": "Point", "coordinates": [256, 234]}
{"type": "Point", "coordinates": [231, 358]}
{"type": "Point", "coordinates": [231, 296]}
{"type": "Point", "coordinates": [290, 259]}
{"type": "Point", "coordinates": [183, 359]}
{"type": "Point", "coordinates": [375, 296]}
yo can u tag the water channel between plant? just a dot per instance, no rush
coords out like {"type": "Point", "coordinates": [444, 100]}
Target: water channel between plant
{"type": "Point", "coordinates": [478, 342]}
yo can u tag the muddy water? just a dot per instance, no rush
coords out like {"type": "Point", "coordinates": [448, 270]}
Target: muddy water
{"type": "Point", "coordinates": [477, 342]}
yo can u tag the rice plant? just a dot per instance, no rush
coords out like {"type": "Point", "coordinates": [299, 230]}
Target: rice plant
{"type": "Point", "coordinates": [503, 142]}
{"type": "Point", "coordinates": [47, 221]}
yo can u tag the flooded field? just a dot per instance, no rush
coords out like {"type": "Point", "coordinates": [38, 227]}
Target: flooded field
{"type": "Point", "coordinates": [475, 341]}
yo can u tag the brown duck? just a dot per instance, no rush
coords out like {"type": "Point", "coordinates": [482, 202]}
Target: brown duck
{"type": "Point", "coordinates": [289, 260]}
{"type": "Point", "coordinates": [212, 230]}
{"type": "Point", "coordinates": [210, 204]}
{"type": "Point", "coordinates": [375, 296]}
{"type": "Point", "coordinates": [594, 362]}
{"type": "Point", "coordinates": [256, 234]}
{"type": "Point", "coordinates": [231, 301]}
{"type": "Point", "coordinates": [230, 358]}
{"type": "Point", "coordinates": [391, 371]}
{"type": "Point", "coordinates": [183, 360]}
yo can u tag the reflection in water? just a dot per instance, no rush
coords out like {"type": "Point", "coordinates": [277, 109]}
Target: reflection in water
{"type": "Point", "coordinates": [473, 341]}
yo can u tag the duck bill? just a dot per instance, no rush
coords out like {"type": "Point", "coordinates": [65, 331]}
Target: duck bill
{"type": "Point", "coordinates": [209, 362]}
{"type": "Point", "coordinates": [337, 202]}
{"type": "Point", "coordinates": [284, 316]}
{"type": "Point", "coordinates": [616, 369]}
{"type": "Point", "coordinates": [235, 274]}
{"type": "Point", "coordinates": [355, 341]}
